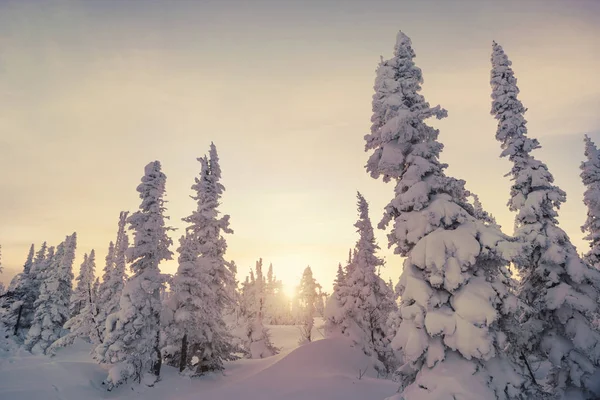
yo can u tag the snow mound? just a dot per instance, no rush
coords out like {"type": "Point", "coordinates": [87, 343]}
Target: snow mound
{"type": "Point", "coordinates": [327, 369]}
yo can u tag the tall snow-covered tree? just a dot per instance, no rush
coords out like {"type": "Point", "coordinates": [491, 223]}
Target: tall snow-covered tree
{"type": "Point", "coordinates": [18, 301]}
{"type": "Point", "coordinates": [132, 344]}
{"type": "Point", "coordinates": [453, 296]}
{"type": "Point", "coordinates": [83, 322]}
{"type": "Point", "coordinates": [339, 277]}
{"type": "Point", "coordinates": [52, 305]}
{"type": "Point", "coordinates": [308, 297]}
{"type": "Point", "coordinates": [234, 313]}
{"type": "Point", "coordinates": [350, 264]}
{"type": "Point", "coordinates": [257, 338]}
{"type": "Point", "coordinates": [276, 309]}
{"type": "Point", "coordinates": [322, 297]}
{"type": "Point", "coordinates": [363, 303]}
{"type": "Point", "coordinates": [113, 279]}
{"type": "Point", "coordinates": [204, 286]}
{"type": "Point", "coordinates": [560, 289]}
{"type": "Point", "coordinates": [590, 175]}
{"type": "Point", "coordinates": [183, 307]}
{"type": "Point", "coordinates": [41, 263]}
{"type": "Point", "coordinates": [105, 295]}
{"type": "Point", "coordinates": [79, 295]}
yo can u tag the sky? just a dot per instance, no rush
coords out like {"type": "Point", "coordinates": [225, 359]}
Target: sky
{"type": "Point", "coordinates": [91, 91]}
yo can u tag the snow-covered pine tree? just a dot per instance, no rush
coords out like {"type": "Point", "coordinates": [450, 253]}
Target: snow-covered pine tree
{"type": "Point", "coordinates": [307, 294]}
{"type": "Point", "coordinates": [15, 281]}
{"type": "Point", "coordinates": [245, 297]}
{"type": "Point", "coordinates": [363, 301]}
{"type": "Point", "coordinates": [480, 213]}
{"type": "Point", "coordinates": [234, 312]}
{"type": "Point", "coordinates": [83, 322]}
{"type": "Point", "coordinates": [214, 245]}
{"type": "Point", "coordinates": [41, 262]}
{"type": "Point", "coordinates": [350, 265]}
{"type": "Point", "coordinates": [258, 340]}
{"type": "Point", "coordinates": [339, 277]}
{"type": "Point", "coordinates": [52, 305]}
{"type": "Point", "coordinates": [560, 289]}
{"type": "Point", "coordinates": [183, 307]}
{"type": "Point", "coordinates": [321, 300]}
{"type": "Point", "coordinates": [105, 292]}
{"type": "Point", "coordinates": [118, 276]}
{"type": "Point", "coordinates": [79, 296]}
{"type": "Point", "coordinates": [590, 175]}
{"type": "Point", "coordinates": [333, 311]}
{"type": "Point", "coordinates": [133, 345]}
{"type": "Point", "coordinates": [204, 286]}
{"type": "Point", "coordinates": [113, 279]}
{"type": "Point", "coordinates": [17, 302]}
{"type": "Point", "coordinates": [29, 261]}
{"type": "Point", "coordinates": [452, 299]}
{"type": "Point", "coordinates": [270, 299]}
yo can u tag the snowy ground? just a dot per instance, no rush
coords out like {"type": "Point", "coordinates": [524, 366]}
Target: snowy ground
{"type": "Point", "coordinates": [326, 369]}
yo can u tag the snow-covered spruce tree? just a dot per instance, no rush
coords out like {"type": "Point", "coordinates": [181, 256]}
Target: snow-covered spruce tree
{"type": "Point", "coordinates": [204, 286]}
{"type": "Point", "coordinates": [18, 300]}
{"type": "Point", "coordinates": [182, 306]}
{"type": "Point", "coordinates": [83, 323]}
{"type": "Point", "coordinates": [15, 281]}
{"type": "Point", "coordinates": [105, 296]}
{"type": "Point", "coordinates": [590, 175]}
{"type": "Point", "coordinates": [234, 313]}
{"type": "Point", "coordinates": [321, 300]}
{"type": "Point", "coordinates": [246, 297]}
{"type": "Point", "coordinates": [79, 296]}
{"type": "Point", "coordinates": [307, 294]}
{"type": "Point", "coordinates": [333, 314]}
{"type": "Point", "coordinates": [277, 310]}
{"type": "Point", "coordinates": [363, 301]}
{"type": "Point", "coordinates": [133, 344]}
{"type": "Point", "coordinates": [270, 299]}
{"type": "Point", "coordinates": [258, 340]}
{"type": "Point", "coordinates": [560, 289]}
{"type": "Point", "coordinates": [339, 277]}
{"type": "Point", "coordinates": [213, 244]}
{"type": "Point", "coordinates": [480, 213]}
{"type": "Point", "coordinates": [453, 297]}
{"type": "Point", "coordinates": [52, 305]}
{"type": "Point", "coordinates": [109, 292]}
{"type": "Point", "coordinates": [350, 264]}
{"type": "Point", "coordinates": [41, 262]}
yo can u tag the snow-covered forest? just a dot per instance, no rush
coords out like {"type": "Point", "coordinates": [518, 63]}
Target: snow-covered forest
{"type": "Point", "coordinates": [479, 311]}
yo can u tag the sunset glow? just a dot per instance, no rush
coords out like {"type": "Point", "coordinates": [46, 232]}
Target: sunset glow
{"type": "Point", "coordinates": [84, 108]}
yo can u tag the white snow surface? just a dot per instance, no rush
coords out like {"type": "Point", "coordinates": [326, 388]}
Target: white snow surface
{"type": "Point", "coordinates": [326, 369]}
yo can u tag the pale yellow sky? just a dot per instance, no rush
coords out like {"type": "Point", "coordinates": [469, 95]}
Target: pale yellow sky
{"type": "Point", "coordinates": [90, 91]}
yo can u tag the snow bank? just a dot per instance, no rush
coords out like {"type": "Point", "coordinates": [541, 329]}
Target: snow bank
{"type": "Point", "coordinates": [327, 369]}
{"type": "Point", "coordinates": [322, 370]}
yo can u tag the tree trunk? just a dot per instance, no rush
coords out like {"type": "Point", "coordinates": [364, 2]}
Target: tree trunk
{"type": "Point", "coordinates": [158, 360]}
{"type": "Point", "coordinates": [183, 354]}
{"type": "Point", "coordinates": [18, 320]}
{"type": "Point", "coordinates": [94, 312]}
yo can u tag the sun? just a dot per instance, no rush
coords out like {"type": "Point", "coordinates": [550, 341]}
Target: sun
{"type": "Point", "coordinates": [289, 289]}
